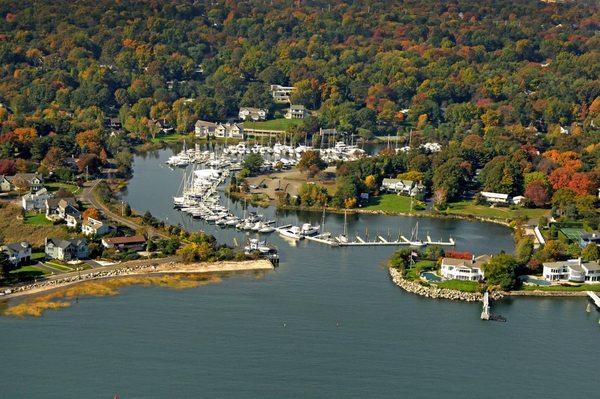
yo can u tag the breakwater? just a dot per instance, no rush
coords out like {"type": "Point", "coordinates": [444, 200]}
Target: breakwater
{"type": "Point", "coordinates": [437, 293]}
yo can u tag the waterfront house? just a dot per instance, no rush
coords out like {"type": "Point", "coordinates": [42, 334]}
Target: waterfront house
{"type": "Point", "coordinates": [66, 249]}
{"type": "Point", "coordinates": [464, 269]}
{"type": "Point", "coordinates": [94, 227]}
{"type": "Point", "coordinates": [204, 129]}
{"type": "Point", "coordinates": [18, 253]}
{"type": "Point", "coordinates": [589, 238]}
{"type": "Point", "coordinates": [398, 186]}
{"type": "Point", "coordinates": [163, 126]}
{"type": "Point", "coordinates": [229, 130]}
{"type": "Point", "coordinates": [495, 198]}
{"type": "Point", "coordinates": [281, 94]}
{"type": "Point", "coordinates": [36, 200]}
{"type": "Point", "coordinates": [25, 182]}
{"type": "Point", "coordinates": [296, 112]}
{"type": "Point", "coordinates": [574, 270]}
{"type": "Point", "coordinates": [133, 243]}
{"type": "Point", "coordinates": [252, 114]}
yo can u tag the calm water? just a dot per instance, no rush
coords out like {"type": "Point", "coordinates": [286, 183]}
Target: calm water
{"type": "Point", "coordinates": [327, 323]}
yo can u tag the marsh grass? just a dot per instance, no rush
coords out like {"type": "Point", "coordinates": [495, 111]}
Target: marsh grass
{"type": "Point", "coordinates": [63, 297]}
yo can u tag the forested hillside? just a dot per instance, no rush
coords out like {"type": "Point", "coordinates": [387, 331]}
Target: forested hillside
{"type": "Point", "coordinates": [509, 87]}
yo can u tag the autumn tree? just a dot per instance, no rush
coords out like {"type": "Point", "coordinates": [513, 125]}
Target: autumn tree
{"type": "Point", "coordinates": [309, 159]}
{"type": "Point", "coordinates": [91, 213]}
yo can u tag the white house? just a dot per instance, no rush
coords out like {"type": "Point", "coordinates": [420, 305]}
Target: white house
{"type": "Point", "coordinates": [5, 185]}
{"type": "Point", "coordinates": [23, 181]}
{"type": "Point", "coordinates": [66, 250]}
{"type": "Point", "coordinates": [17, 253]}
{"type": "Point", "coordinates": [91, 227]}
{"type": "Point", "coordinates": [398, 186]}
{"type": "Point", "coordinates": [254, 114]}
{"type": "Point", "coordinates": [574, 270]}
{"type": "Point", "coordinates": [204, 129]}
{"type": "Point", "coordinates": [296, 112]}
{"type": "Point", "coordinates": [495, 198]}
{"type": "Point", "coordinates": [464, 269]}
{"type": "Point", "coordinates": [35, 201]}
{"type": "Point", "coordinates": [229, 130]}
{"type": "Point", "coordinates": [281, 94]}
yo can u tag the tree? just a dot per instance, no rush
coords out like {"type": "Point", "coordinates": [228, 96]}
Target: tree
{"type": "Point", "coordinates": [309, 159]}
{"type": "Point", "coordinates": [502, 175]}
{"type": "Point", "coordinates": [7, 167]}
{"type": "Point", "coordinates": [501, 271]}
{"type": "Point", "coordinates": [452, 177]}
{"type": "Point", "coordinates": [537, 193]}
{"type": "Point", "coordinates": [253, 163]}
{"type": "Point", "coordinates": [590, 253]}
{"type": "Point", "coordinates": [5, 265]}
{"type": "Point", "coordinates": [91, 213]}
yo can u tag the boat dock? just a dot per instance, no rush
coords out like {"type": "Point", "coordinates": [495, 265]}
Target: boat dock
{"type": "Point", "coordinates": [595, 298]}
{"type": "Point", "coordinates": [379, 241]}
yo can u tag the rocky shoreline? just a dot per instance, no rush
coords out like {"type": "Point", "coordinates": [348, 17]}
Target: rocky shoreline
{"type": "Point", "coordinates": [437, 293]}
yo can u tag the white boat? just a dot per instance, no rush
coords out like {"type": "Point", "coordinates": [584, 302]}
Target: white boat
{"type": "Point", "coordinates": [289, 231]}
{"type": "Point", "coordinates": [309, 230]}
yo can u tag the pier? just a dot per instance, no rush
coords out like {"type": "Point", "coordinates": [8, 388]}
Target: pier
{"type": "Point", "coordinates": [595, 298]}
{"type": "Point", "coordinates": [485, 312]}
{"type": "Point", "coordinates": [380, 241]}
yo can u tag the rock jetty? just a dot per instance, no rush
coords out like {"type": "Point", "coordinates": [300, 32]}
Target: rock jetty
{"type": "Point", "coordinates": [429, 291]}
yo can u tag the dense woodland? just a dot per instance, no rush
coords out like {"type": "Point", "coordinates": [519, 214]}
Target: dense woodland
{"type": "Point", "coordinates": [511, 88]}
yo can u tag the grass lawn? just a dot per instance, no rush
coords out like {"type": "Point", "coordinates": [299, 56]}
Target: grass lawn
{"type": "Point", "coordinates": [420, 266]}
{"type": "Point", "coordinates": [27, 272]}
{"type": "Point", "coordinates": [55, 186]}
{"type": "Point", "coordinates": [563, 288]}
{"type": "Point", "coordinates": [38, 256]}
{"type": "Point", "coordinates": [59, 266]}
{"type": "Point", "coordinates": [391, 203]}
{"type": "Point", "coordinates": [37, 219]}
{"type": "Point", "coordinates": [273, 124]}
{"type": "Point", "coordinates": [170, 138]}
{"type": "Point", "coordinates": [466, 286]}
{"type": "Point", "coordinates": [469, 208]}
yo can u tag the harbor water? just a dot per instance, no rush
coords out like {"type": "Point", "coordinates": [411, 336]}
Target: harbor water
{"type": "Point", "coordinates": [327, 323]}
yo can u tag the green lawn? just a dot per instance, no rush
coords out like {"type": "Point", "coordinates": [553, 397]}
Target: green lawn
{"type": "Point", "coordinates": [392, 203]}
{"type": "Point", "coordinates": [563, 288]}
{"type": "Point", "coordinates": [423, 265]}
{"type": "Point", "coordinates": [469, 208]}
{"type": "Point", "coordinates": [37, 219]}
{"type": "Point", "coordinates": [28, 272]}
{"type": "Point", "coordinates": [56, 265]}
{"type": "Point", "coordinates": [466, 286]}
{"type": "Point", "coordinates": [171, 138]}
{"type": "Point", "coordinates": [38, 256]}
{"type": "Point", "coordinates": [55, 186]}
{"type": "Point", "coordinates": [273, 124]}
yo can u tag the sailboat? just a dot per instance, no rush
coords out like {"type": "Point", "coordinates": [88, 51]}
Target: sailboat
{"type": "Point", "coordinates": [343, 238]}
{"type": "Point", "coordinates": [414, 237]}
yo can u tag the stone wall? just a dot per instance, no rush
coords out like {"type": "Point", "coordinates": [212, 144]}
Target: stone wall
{"type": "Point", "coordinates": [415, 287]}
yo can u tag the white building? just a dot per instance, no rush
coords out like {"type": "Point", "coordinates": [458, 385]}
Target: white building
{"type": "Point", "coordinates": [17, 253]}
{"type": "Point", "coordinates": [91, 227]}
{"type": "Point", "coordinates": [464, 269]}
{"type": "Point", "coordinates": [252, 114]}
{"type": "Point", "coordinates": [204, 129]}
{"type": "Point", "coordinates": [229, 130]}
{"type": "Point", "coordinates": [398, 186]}
{"type": "Point", "coordinates": [296, 112]}
{"type": "Point", "coordinates": [495, 198]}
{"type": "Point", "coordinates": [35, 201]}
{"type": "Point", "coordinates": [574, 270]}
{"type": "Point", "coordinates": [281, 94]}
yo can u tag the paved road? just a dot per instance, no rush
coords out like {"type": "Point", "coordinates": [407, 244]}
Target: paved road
{"type": "Point", "coordinates": [88, 197]}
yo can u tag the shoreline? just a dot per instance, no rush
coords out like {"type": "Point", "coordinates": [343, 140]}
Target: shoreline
{"type": "Point", "coordinates": [432, 292]}
{"type": "Point", "coordinates": [425, 214]}
{"type": "Point", "coordinates": [143, 269]}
